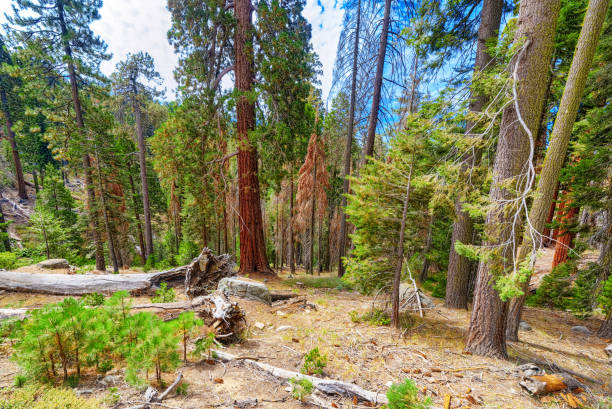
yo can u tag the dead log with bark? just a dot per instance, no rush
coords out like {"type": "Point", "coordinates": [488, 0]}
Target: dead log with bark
{"type": "Point", "coordinates": [542, 384]}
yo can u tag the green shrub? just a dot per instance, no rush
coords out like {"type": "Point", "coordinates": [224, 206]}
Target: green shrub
{"type": "Point", "coordinates": [314, 362]}
{"type": "Point", "coordinates": [203, 346]}
{"type": "Point", "coordinates": [93, 299]}
{"type": "Point", "coordinates": [405, 396]}
{"type": "Point", "coordinates": [605, 298]}
{"type": "Point", "coordinates": [7, 260]}
{"type": "Point", "coordinates": [164, 294]}
{"type": "Point", "coordinates": [19, 380]}
{"type": "Point", "coordinates": [41, 397]}
{"type": "Point", "coordinates": [320, 282]}
{"type": "Point", "coordinates": [376, 317]}
{"type": "Point", "coordinates": [555, 289]}
{"type": "Point", "coordinates": [300, 388]}
{"type": "Point", "coordinates": [188, 250]}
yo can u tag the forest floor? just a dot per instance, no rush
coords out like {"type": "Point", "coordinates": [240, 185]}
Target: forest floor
{"type": "Point", "coordinates": [429, 351]}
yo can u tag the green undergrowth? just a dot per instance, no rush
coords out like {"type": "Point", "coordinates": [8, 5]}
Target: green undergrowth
{"type": "Point", "coordinates": [44, 397]}
{"type": "Point", "coordinates": [320, 282]}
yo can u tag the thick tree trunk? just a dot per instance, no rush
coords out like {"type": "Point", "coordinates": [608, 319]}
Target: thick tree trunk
{"type": "Point", "coordinates": [378, 78]}
{"type": "Point", "coordinates": [347, 147]}
{"type": "Point", "coordinates": [144, 183]}
{"type": "Point", "coordinates": [397, 274]}
{"type": "Point", "coordinates": [91, 196]}
{"type": "Point", "coordinates": [463, 227]}
{"type": "Point", "coordinates": [536, 24]}
{"type": "Point", "coordinates": [555, 155]}
{"type": "Point", "coordinates": [10, 135]}
{"type": "Point", "coordinates": [253, 258]}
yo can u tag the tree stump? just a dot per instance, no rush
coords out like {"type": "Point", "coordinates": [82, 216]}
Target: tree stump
{"type": "Point", "coordinates": [205, 272]}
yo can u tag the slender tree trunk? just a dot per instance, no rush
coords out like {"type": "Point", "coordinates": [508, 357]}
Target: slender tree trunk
{"type": "Point", "coordinates": [291, 244]}
{"type": "Point", "coordinates": [35, 177]}
{"type": "Point", "coordinates": [427, 249]}
{"type": "Point", "coordinates": [463, 226]}
{"type": "Point", "coordinates": [91, 196]}
{"type": "Point", "coordinates": [136, 213]}
{"type": "Point", "coordinates": [397, 275]}
{"type": "Point", "coordinates": [253, 258]}
{"type": "Point", "coordinates": [537, 24]}
{"type": "Point", "coordinates": [225, 242]}
{"type": "Point", "coordinates": [565, 237]}
{"type": "Point", "coordinates": [347, 147]}
{"type": "Point", "coordinates": [6, 241]}
{"type": "Point", "coordinates": [144, 183]}
{"type": "Point", "coordinates": [319, 264]}
{"type": "Point", "coordinates": [10, 135]}
{"type": "Point", "coordinates": [547, 232]}
{"type": "Point", "coordinates": [380, 67]}
{"type": "Point", "coordinates": [111, 244]}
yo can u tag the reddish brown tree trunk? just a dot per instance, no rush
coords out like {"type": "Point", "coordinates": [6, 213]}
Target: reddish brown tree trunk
{"type": "Point", "coordinates": [546, 233]}
{"type": "Point", "coordinates": [565, 237]}
{"type": "Point", "coordinates": [10, 135]}
{"type": "Point", "coordinates": [253, 257]}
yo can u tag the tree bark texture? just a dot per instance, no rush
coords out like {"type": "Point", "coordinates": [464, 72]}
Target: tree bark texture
{"type": "Point", "coordinates": [253, 258]}
{"type": "Point", "coordinates": [10, 135]}
{"type": "Point", "coordinates": [557, 149]}
{"type": "Point", "coordinates": [397, 274]}
{"type": "Point", "coordinates": [463, 226]}
{"type": "Point", "coordinates": [144, 183]}
{"type": "Point", "coordinates": [536, 24]}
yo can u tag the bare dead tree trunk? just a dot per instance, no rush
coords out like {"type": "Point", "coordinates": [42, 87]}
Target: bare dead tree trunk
{"type": "Point", "coordinates": [347, 147]}
{"type": "Point", "coordinates": [537, 24]}
{"type": "Point", "coordinates": [253, 258]}
{"type": "Point", "coordinates": [463, 227]}
{"type": "Point", "coordinates": [380, 66]}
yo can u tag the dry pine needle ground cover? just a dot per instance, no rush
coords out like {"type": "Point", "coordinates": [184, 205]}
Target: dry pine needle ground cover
{"type": "Point", "coordinates": [429, 351]}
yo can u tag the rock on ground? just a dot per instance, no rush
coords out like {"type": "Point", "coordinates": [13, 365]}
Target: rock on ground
{"type": "Point", "coordinates": [582, 330]}
{"type": "Point", "coordinates": [523, 326]}
{"type": "Point", "coordinates": [251, 290]}
{"type": "Point", "coordinates": [54, 264]}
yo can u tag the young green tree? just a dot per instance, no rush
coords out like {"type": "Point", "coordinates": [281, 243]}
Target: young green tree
{"type": "Point", "coordinates": [130, 83]}
{"type": "Point", "coordinates": [61, 31]}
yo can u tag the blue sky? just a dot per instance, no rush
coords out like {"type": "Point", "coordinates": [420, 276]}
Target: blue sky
{"type": "Point", "coordinates": [130, 26]}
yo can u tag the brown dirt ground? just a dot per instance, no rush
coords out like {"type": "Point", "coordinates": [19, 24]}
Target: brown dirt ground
{"type": "Point", "coordinates": [429, 352]}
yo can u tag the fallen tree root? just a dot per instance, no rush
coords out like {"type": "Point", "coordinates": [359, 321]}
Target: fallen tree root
{"type": "Point", "coordinates": [327, 386]}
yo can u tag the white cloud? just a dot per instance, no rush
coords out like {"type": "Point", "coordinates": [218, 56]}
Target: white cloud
{"type": "Point", "coordinates": [129, 26]}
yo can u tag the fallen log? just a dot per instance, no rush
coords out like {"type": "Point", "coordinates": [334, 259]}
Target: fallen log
{"type": "Point", "coordinates": [199, 277]}
{"type": "Point", "coordinates": [64, 284]}
{"type": "Point", "coordinates": [542, 384]}
{"type": "Point", "coordinates": [327, 386]}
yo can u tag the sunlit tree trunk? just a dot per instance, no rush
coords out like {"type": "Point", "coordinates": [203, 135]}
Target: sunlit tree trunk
{"type": "Point", "coordinates": [10, 135]}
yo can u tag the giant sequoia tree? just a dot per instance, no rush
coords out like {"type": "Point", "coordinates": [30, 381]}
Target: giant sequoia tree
{"type": "Point", "coordinates": [512, 174]}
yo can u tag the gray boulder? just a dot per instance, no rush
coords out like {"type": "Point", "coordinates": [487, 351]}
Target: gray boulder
{"type": "Point", "coordinates": [54, 264]}
{"type": "Point", "coordinates": [523, 326]}
{"type": "Point", "coordinates": [407, 297]}
{"type": "Point", "coordinates": [251, 290]}
{"type": "Point", "coordinates": [582, 330]}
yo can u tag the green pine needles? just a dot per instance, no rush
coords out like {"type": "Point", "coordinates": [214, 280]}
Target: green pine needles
{"type": "Point", "coordinates": [405, 396]}
{"type": "Point", "coordinates": [65, 338]}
